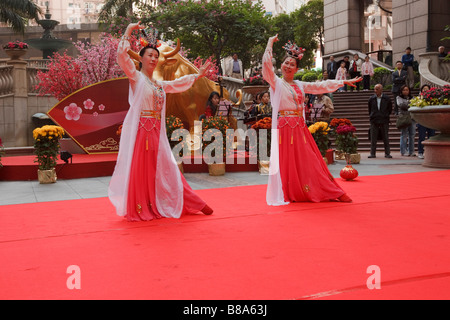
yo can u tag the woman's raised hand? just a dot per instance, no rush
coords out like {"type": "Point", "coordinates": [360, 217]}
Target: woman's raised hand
{"type": "Point", "coordinates": [203, 70]}
{"type": "Point", "coordinates": [134, 26]}
{"type": "Point", "coordinates": [352, 82]}
{"type": "Point", "coordinates": [274, 39]}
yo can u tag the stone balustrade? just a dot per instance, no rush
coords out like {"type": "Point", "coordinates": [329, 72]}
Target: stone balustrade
{"type": "Point", "coordinates": [6, 80]}
{"type": "Point", "coordinates": [233, 85]}
{"type": "Point", "coordinates": [32, 79]}
{"type": "Point", "coordinates": [19, 100]}
{"type": "Point", "coordinates": [433, 70]}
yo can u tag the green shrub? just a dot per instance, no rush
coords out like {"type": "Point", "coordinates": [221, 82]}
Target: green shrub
{"type": "Point", "coordinates": [309, 77]}
{"type": "Point", "coordinates": [381, 75]}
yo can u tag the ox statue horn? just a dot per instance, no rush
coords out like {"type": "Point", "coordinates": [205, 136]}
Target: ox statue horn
{"type": "Point", "coordinates": [173, 52]}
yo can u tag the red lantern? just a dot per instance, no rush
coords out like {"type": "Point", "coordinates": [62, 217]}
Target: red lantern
{"type": "Point", "coordinates": [348, 172]}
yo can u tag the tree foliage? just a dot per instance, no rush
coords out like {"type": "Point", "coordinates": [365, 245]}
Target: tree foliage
{"type": "Point", "coordinates": [215, 27]}
{"type": "Point", "coordinates": [308, 25]}
{"type": "Point", "coordinates": [116, 8]}
{"type": "Point", "coordinates": [303, 26]}
{"type": "Point", "coordinates": [16, 13]}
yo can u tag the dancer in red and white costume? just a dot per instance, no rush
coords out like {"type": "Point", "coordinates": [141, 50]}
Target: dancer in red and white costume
{"type": "Point", "coordinates": [146, 183]}
{"type": "Point", "coordinates": [297, 170]}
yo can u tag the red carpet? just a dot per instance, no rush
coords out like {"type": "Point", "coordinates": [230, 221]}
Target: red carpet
{"type": "Point", "coordinates": [245, 250]}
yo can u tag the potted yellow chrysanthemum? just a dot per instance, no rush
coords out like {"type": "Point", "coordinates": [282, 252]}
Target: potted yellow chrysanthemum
{"type": "Point", "coordinates": [319, 131]}
{"type": "Point", "coordinates": [46, 148]}
{"type": "Point", "coordinates": [214, 128]}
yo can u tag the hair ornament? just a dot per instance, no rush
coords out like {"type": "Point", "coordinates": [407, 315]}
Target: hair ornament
{"type": "Point", "coordinates": [293, 50]}
{"type": "Point", "coordinates": [149, 38]}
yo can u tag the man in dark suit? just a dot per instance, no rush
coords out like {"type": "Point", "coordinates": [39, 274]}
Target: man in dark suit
{"type": "Point", "coordinates": [398, 80]}
{"type": "Point", "coordinates": [380, 109]}
{"type": "Point", "coordinates": [332, 68]}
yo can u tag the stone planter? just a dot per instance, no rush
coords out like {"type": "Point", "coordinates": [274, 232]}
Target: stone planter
{"type": "Point", "coordinates": [47, 176]}
{"type": "Point", "coordinates": [16, 54]}
{"type": "Point", "coordinates": [253, 90]}
{"type": "Point", "coordinates": [437, 148]}
{"type": "Point", "coordinates": [216, 169]}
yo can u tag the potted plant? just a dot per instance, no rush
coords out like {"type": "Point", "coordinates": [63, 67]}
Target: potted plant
{"type": "Point", "coordinates": [347, 142]}
{"type": "Point", "coordinates": [432, 110]}
{"type": "Point", "coordinates": [15, 49]}
{"type": "Point", "coordinates": [173, 123]}
{"type": "Point", "coordinates": [262, 124]}
{"type": "Point", "coordinates": [214, 127]}
{"type": "Point", "coordinates": [46, 148]}
{"type": "Point", "coordinates": [319, 131]}
{"type": "Point", "coordinates": [336, 122]}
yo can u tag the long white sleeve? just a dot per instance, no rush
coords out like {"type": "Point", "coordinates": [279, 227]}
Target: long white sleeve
{"type": "Point", "coordinates": [179, 85]}
{"type": "Point", "coordinates": [126, 63]}
{"type": "Point", "coordinates": [267, 66]}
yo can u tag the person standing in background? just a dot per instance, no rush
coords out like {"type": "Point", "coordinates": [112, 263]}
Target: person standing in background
{"type": "Point", "coordinates": [346, 61]}
{"type": "Point", "coordinates": [234, 68]}
{"type": "Point", "coordinates": [442, 53]}
{"type": "Point", "coordinates": [355, 69]}
{"type": "Point", "coordinates": [366, 72]}
{"type": "Point", "coordinates": [407, 134]}
{"type": "Point", "coordinates": [398, 80]}
{"type": "Point", "coordinates": [341, 74]}
{"type": "Point", "coordinates": [380, 109]}
{"type": "Point", "coordinates": [408, 60]}
{"type": "Point", "coordinates": [332, 67]}
{"type": "Point", "coordinates": [424, 132]}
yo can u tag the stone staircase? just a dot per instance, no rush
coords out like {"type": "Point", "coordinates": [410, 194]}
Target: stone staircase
{"type": "Point", "coordinates": [353, 106]}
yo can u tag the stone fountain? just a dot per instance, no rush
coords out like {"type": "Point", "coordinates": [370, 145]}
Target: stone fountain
{"type": "Point", "coordinates": [48, 43]}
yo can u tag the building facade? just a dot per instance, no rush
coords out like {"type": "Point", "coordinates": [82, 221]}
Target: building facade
{"type": "Point", "coordinates": [383, 27]}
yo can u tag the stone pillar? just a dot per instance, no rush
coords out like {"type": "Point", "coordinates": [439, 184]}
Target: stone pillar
{"type": "Point", "coordinates": [410, 27]}
{"type": "Point", "coordinates": [20, 101]}
{"type": "Point", "coordinates": [342, 24]}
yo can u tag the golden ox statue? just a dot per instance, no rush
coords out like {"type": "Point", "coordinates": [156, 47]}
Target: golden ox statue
{"type": "Point", "coordinates": [188, 105]}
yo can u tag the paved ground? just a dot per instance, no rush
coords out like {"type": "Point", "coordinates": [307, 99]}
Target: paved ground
{"type": "Point", "coordinates": [16, 192]}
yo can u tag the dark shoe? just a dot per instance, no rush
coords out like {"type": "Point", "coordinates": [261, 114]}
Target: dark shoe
{"type": "Point", "coordinates": [388, 156]}
{"type": "Point", "coordinates": [372, 156]}
{"type": "Point", "coordinates": [412, 155]}
{"type": "Point", "coordinates": [207, 210]}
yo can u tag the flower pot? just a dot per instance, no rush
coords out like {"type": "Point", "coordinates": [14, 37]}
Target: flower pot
{"type": "Point", "coordinates": [216, 169]}
{"type": "Point", "coordinates": [339, 155]}
{"type": "Point", "coordinates": [330, 156]}
{"type": "Point", "coordinates": [263, 167]}
{"type": "Point", "coordinates": [16, 54]}
{"type": "Point", "coordinates": [47, 176]}
{"type": "Point", "coordinates": [353, 158]}
{"type": "Point", "coordinates": [348, 173]}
